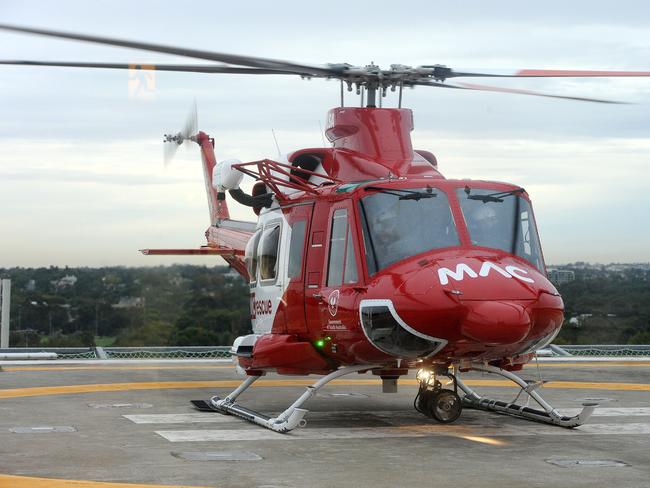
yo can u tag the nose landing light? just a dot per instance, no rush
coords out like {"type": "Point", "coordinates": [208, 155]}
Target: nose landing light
{"type": "Point", "coordinates": [496, 322]}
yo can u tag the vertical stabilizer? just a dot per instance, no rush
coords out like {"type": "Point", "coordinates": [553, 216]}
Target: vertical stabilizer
{"type": "Point", "coordinates": [216, 201]}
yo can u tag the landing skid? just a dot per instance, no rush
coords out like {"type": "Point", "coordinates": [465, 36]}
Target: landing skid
{"type": "Point", "coordinates": [548, 415]}
{"type": "Point", "coordinates": [203, 406]}
{"type": "Point", "coordinates": [288, 420]}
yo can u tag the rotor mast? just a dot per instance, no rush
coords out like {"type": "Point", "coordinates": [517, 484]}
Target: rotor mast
{"type": "Point", "coordinates": [370, 96]}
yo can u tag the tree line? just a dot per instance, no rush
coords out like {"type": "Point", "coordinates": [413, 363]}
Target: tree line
{"type": "Point", "coordinates": [178, 305]}
{"type": "Point", "coordinates": [605, 307]}
{"type": "Point", "coordinates": [183, 305]}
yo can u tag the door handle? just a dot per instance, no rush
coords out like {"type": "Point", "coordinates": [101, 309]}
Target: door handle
{"type": "Point", "coordinates": [317, 296]}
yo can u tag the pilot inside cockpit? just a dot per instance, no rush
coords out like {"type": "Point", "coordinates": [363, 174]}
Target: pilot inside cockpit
{"type": "Point", "coordinates": [487, 228]}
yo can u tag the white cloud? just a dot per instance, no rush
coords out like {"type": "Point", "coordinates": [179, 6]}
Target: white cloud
{"type": "Point", "coordinates": [81, 177]}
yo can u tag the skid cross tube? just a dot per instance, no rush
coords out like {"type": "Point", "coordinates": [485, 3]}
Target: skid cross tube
{"type": "Point", "coordinates": [548, 415]}
{"type": "Point", "coordinates": [292, 417]}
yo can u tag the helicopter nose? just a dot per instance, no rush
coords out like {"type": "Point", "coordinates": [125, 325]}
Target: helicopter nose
{"type": "Point", "coordinates": [496, 322]}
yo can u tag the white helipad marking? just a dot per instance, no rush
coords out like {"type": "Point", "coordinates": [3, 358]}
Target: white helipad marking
{"type": "Point", "coordinates": [218, 456]}
{"type": "Point", "coordinates": [620, 429]}
{"type": "Point", "coordinates": [120, 405]}
{"type": "Point", "coordinates": [353, 395]}
{"type": "Point", "coordinates": [180, 418]}
{"type": "Point", "coordinates": [623, 411]}
{"type": "Point", "coordinates": [587, 463]}
{"type": "Point", "coordinates": [257, 434]}
{"type": "Point", "coordinates": [45, 429]}
{"type": "Point", "coordinates": [391, 415]}
{"type": "Point", "coordinates": [196, 418]}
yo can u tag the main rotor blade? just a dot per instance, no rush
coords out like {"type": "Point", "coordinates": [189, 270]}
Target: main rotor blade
{"type": "Point", "coordinates": [235, 59]}
{"type": "Point", "coordinates": [499, 89]}
{"type": "Point", "coordinates": [547, 73]}
{"type": "Point", "coordinates": [192, 68]}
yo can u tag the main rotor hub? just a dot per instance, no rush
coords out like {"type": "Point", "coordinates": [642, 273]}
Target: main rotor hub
{"type": "Point", "coordinates": [373, 77]}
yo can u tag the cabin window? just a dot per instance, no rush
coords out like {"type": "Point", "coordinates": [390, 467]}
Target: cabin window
{"type": "Point", "coordinates": [296, 248]}
{"type": "Point", "coordinates": [268, 251]}
{"type": "Point", "coordinates": [342, 266]}
{"type": "Point", "coordinates": [250, 256]}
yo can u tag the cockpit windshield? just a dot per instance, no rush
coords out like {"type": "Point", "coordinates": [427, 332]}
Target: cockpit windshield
{"type": "Point", "coordinates": [401, 223]}
{"type": "Point", "coordinates": [501, 220]}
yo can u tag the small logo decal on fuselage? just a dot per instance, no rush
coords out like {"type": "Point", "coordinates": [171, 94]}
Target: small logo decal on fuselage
{"type": "Point", "coordinates": [335, 325]}
{"type": "Point", "coordinates": [333, 303]}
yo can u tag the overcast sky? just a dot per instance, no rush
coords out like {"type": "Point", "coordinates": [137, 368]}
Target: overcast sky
{"type": "Point", "coordinates": [81, 174]}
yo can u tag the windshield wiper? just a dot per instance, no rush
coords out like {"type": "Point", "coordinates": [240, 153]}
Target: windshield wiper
{"type": "Point", "coordinates": [493, 197]}
{"type": "Point", "coordinates": [405, 194]}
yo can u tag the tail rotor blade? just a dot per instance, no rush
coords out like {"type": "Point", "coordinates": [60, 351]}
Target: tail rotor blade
{"type": "Point", "coordinates": [169, 150]}
{"type": "Point", "coordinates": [192, 123]}
{"type": "Point", "coordinates": [171, 142]}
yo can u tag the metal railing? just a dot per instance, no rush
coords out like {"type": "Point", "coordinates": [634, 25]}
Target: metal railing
{"type": "Point", "coordinates": [180, 352]}
{"type": "Point", "coordinates": [596, 350]}
{"type": "Point", "coordinates": [223, 352]}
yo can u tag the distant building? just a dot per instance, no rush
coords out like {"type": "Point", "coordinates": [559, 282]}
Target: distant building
{"type": "Point", "coordinates": [232, 273]}
{"type": "Point", "coordinates": [65, 282]}
{"type": "Point", "coordinates": [178, 281]}
{"type": "Point", "coordinates": [561, 276]}
{"type": "Point", "coordinates": [130, 302]}
{"type": "Point", "coordinates": [30, 286]}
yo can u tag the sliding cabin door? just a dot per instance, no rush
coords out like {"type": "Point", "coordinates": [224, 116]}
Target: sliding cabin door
{"type": "Point", "coordinates": [333, 271]}
{"type": "Point", "coordinates": [299, 220]}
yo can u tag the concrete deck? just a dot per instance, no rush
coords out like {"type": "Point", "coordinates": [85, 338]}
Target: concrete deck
{"type": "Point", "coordinates": [132, 423]}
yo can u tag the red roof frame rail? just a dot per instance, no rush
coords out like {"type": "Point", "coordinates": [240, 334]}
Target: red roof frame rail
{"type": "Point", "coordinates": [268, 172]}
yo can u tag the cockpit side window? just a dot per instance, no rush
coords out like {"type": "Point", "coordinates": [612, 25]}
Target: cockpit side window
{"type": "Point", "coordinates": [342, 266]}
{"type": "Point", "coordinates": [350, 271]}
{"type": "Point", "coordinates": [528, 246]}
{"type": "Point", "coordinates": [296, 248]}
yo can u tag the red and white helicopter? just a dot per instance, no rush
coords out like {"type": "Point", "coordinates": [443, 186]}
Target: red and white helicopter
{"type": "Point", "coordinates": [364, 258]}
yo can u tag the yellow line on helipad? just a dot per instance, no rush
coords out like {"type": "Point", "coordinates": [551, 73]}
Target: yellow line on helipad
{"type": "Point", "coordinates": [112, 367]}
{"type": "Point", "coordinates": [542, 365]}
{"type": "Point", "coordinates": [589, 364]}
{"type": "Point", "coordinates": [177, 385]}
{"type": "Point", "coordinates": [8, 481]}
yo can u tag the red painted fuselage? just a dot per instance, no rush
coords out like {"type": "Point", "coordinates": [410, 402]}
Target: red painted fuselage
{"type": "Point", "coordinates": [381, 260]}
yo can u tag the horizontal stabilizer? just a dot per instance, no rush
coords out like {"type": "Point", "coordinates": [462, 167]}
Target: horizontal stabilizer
{"type": "Point", "coordinates": [219, 251]}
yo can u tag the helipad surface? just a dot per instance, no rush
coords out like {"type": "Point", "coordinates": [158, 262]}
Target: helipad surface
{"type": "Point", "coordinates": [132, 423]}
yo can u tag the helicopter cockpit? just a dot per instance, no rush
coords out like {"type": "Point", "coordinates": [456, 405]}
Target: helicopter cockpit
{"type": "Point", "coordinates": [398, 223]}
